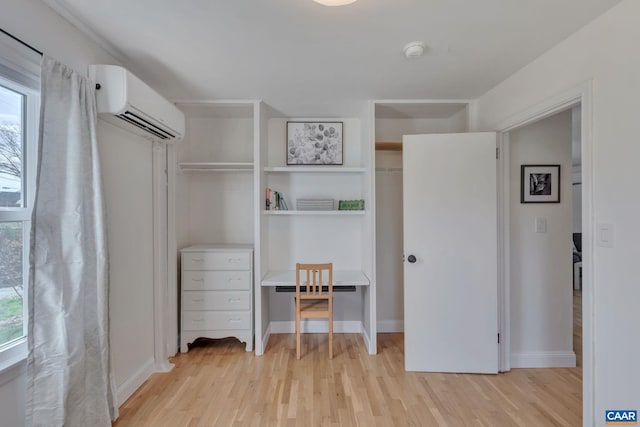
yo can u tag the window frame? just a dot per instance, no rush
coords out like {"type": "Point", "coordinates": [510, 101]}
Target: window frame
{"type": "Point", "coordinates": [18, 73]}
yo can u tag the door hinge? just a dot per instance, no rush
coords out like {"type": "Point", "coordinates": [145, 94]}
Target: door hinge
{"type": "Point", "coordinates": [498, 338]}
{"type": "Point", "coordinates": [497, 153]}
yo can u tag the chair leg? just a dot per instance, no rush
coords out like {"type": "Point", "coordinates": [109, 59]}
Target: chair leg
{"type": "Point", "coordinates": [298, 335]}
{"type": "Point", "coordinates": [330, 335]}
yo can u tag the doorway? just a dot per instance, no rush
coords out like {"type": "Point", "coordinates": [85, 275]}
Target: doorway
{"type": "Point", "coordinates": [541, 229]}
{"type": "Point", "coordinates": [393, 119]}
{"type": "Point", "coordinates": [580, 95]}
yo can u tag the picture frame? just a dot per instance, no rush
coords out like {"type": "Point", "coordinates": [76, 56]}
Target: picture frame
{"type": "Point", "coordinates": [540, 184]}
{"type": "Point", "coordinates": [314, 143]}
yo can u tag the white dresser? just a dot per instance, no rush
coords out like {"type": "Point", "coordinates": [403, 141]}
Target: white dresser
{"type": "Point", "coordinates": [217, 293]}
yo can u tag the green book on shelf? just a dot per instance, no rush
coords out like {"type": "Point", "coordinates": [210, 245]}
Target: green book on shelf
{"type": "Point", "coordinates": [351, 205]}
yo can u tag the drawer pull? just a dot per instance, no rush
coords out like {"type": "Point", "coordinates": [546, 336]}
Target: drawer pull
{"type": "Point", "coordinates": [198, 259]}
{"type": "Point", "coordinates": [234, 260]}
{"type": "Point", "coordinates": [233, 300]}
{"type": "Point", "coordinates": [198, 320]}
{"type": "Point", "coordinates": [197, 279]}
{"type": "Point", "coordinates": [235, 320]}
{"type": "Point", "coordinates": [197, 299]}
{"type": "Point", "coordinates": [234, 279]}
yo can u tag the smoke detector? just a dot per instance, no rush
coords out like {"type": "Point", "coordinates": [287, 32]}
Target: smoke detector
{"type": "Point", "coordinates": [414, 49]}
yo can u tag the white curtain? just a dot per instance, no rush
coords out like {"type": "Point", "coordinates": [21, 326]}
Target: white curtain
{"type": "Point", "coordinates": [69, 379]}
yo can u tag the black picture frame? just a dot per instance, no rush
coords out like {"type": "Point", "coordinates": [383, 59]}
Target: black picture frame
{"type": "Point", "coordinates": [315, 143]}
{"type": "Point", "coordinates": [540, 184]}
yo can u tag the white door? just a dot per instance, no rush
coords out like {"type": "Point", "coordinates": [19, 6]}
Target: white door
{"type": "Point", "coordinates": [450, 248]}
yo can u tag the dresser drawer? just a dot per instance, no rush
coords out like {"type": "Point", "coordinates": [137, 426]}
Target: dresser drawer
{"type": "Point", "coordinates": [216, 300]}
{"type": "Point", "coordinates": [216, 280]}
{"type": "Point", "coordinates": [216, 261]}
{"type": "Point", "coordinates": [215, 320]}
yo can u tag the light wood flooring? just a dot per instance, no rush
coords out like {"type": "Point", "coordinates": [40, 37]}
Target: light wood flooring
{"type": "Point", "coordinates": [219, 384]}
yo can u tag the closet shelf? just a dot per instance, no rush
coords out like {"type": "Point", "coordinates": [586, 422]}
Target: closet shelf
{"type": "Point", "coordinates": [333, 212]}
{"type": "Point", "coordinates": [314, 169]}
{"type": "Point", "coordinates": [215, 167]}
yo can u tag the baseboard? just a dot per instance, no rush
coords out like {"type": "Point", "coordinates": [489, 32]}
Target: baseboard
{"type": "Point", "coordinates": [313, 326]}
{"type": "Point", "coordinates": [135, 381]}
{"type": "Point", "coordinates": [544, 359]}
{"type": "Point", "coordinates": [388, 326]}
{"type": "Point", "coordinates": [164, 366]}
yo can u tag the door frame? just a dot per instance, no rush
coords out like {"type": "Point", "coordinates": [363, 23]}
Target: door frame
{"type": "Point", "coordinates": [164, 289]}
{"type": "Point", "coordinates": [579, 95]}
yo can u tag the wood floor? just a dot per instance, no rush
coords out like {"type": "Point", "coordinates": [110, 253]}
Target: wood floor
{"type": "Point", "coordinates": [219, 384]}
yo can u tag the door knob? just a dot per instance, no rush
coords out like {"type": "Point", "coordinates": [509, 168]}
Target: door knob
{"type": "Point", "coordinates": [411, 259]}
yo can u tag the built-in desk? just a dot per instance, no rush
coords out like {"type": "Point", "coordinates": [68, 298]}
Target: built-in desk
{"type": "Point", "coordinates": [351, 286]}
{"type": "Point", "coordinates": [340, 278]}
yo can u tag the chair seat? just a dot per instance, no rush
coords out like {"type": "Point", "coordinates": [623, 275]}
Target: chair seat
{"type": "Point", "coordinates": [310, 308]}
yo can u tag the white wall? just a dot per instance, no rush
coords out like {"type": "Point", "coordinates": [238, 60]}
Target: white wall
{"type": "Point", "coordinates": [606, 52]}
{"type": "Point", "coordinates": [124, 161]}
{"type": "Point", "coordinates": [541, 263]}
{"type": "Point", "coordinates": [391, 130]}
{"type": "Point", "coordinates": [127, 178]}
{"type": "Point", "coordinates": [215, 207]}
{"type": "Point", "coordinates": [13, 395]}
{"type": "Point", "coordinates": [389, 267]}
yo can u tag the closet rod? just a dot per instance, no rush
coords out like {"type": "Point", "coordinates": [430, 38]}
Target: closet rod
{"type": "Point", "coordinates": [389, 146]}
{"type": "Point", "coordinates": [22, 42]}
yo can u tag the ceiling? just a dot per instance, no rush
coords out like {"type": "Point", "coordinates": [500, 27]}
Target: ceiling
{"type": "Point", "coordinates": [306, 60]}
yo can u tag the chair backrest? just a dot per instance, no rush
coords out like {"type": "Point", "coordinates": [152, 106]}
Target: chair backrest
{"type": "Point", "coordinates": [314, 280]}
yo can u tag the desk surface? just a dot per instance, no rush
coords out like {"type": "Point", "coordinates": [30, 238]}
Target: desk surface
{"type": "Point", "coordinates": [340, 277]}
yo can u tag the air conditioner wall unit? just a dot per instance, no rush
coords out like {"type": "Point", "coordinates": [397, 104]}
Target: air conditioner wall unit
{"type": "Point", "coordinates": [127, 102]}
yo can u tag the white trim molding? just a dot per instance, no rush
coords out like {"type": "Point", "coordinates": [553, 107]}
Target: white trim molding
{"type": "Point", "coordinates": [264, 341]}
{"type": "Point", "coordinates": [14, 365]}
{"type": "Point", "coordinates": [161, 307]}
{"type": "Point", "coordinates": [367, 341]}
{"type": "Point", "coordinates": [133, 383]}
{"type": "Point", "coordinates": [544, 359]}
{"type": "Point", "coordinates": [390, 326]}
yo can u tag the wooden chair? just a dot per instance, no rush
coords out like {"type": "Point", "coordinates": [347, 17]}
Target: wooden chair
{"type": "Point", "coordinates": [312, 301]}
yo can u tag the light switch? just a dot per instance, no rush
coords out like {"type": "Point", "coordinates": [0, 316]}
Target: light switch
{"type": "Point", "coordinates": [605, 235]}
{"type": "Point", "coordinates": [541, 224]}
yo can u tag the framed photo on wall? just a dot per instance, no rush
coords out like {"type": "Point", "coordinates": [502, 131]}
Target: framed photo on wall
{"type": "Point", "coordinates": [540, 184]}
{"type": "Point", "coordinates": [314, 143]}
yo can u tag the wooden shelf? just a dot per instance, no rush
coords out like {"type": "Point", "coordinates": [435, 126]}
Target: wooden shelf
{"type": "Point", "coordinates": [215, 167]}
{"type": "Point", "coordinates": [326, 213]}
{"type": "Point", "coordinates": [314, 169]}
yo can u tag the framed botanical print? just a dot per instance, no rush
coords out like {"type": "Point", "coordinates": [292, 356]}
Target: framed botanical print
{"type": "Point", "coordinates": [314, 143]}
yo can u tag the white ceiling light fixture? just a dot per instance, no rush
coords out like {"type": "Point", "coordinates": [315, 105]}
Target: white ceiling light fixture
{"type": "Point", "coordinates": [414, 49]}
{"type": "Point", "coordinates": [334, 2]}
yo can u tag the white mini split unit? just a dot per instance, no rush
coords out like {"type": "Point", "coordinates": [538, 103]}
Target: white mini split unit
{"type": "Point", "coordinates": [127, 102]}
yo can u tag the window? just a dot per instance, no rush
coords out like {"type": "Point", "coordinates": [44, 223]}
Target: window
{"type": "Point", "coordinates": [18, 133]}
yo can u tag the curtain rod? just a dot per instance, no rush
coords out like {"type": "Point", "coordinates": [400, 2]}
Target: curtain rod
{"type": "Point", "coordinates": [22, 42]}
